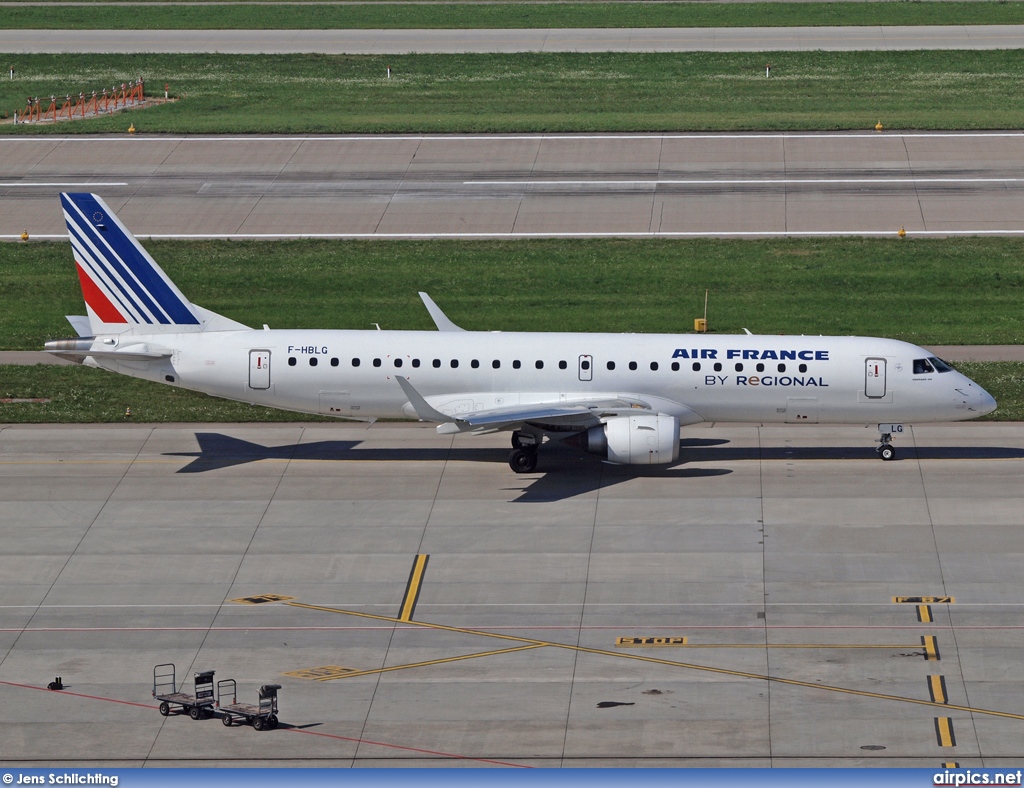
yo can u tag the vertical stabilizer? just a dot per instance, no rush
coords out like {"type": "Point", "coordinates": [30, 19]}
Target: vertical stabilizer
{"type": "Point", "coordinates": [125, 290]}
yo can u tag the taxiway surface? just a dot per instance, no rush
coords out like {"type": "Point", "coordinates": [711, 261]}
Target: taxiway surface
{"type": "Point", "coordinates": [672, 185]}
{"type": "Point", "coordinates": [392, 42]}
{"type": "Point", "coordinates": [781, 597]}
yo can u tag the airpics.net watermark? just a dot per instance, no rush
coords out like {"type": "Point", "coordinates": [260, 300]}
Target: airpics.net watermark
{"type": "Point", "coordinates": [973, 777]}
{"type": "Point", "coordinates": [62, 778]}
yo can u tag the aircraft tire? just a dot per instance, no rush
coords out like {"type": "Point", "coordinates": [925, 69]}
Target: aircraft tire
{"type": "Point", "coordinates": [887, 452]}
{"type": "Point", "coordinates": [522, 461]}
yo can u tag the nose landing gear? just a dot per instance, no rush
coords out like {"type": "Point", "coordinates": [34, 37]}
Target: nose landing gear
{"type": "Point", "coordinates": [885, 448]}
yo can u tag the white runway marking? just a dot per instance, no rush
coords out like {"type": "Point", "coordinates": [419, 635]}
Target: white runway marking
{"type": "Point", "coordinates": [740, 181]}
{"type": "Point", "coordinates": [26, 184]}
{"type": "Point", "coordinates": [515, 236]}
{"type": "Point", "coordinates": [501, 137]}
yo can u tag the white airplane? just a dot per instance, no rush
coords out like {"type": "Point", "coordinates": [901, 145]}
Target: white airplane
{"type": "Point", "coordinates": [621, 396]}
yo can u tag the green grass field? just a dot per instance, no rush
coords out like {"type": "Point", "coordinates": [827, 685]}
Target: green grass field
{"type": "Point", "coordinates": [80, 396]}
{"type": "Point", "coordinates": [508, 15]}
{"type": "Point", "coordinates": [539, 92]}
{"type": "Point", "coordinates": [926, 291]}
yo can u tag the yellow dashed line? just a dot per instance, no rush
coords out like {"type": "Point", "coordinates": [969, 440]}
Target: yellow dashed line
{"type": "Point", "coordinates": [924, 614]}
{"type": "Point", "coordinates": [412, 588]}
{"type": "Point", "coordinates": [667, 662]}
{"type": "Point", "coordinates": [944, 732]}
{"type": "Point", "coordinates": [931, 648]}
{"type": "Point", "coordinates": [937, 689]}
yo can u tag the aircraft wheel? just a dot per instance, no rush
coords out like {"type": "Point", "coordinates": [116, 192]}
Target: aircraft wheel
{"type": "Point", "coordinates": [522, 461]}
{"type": "Point", "coordinates": [887, 452]}
{"type": "Point", "coordinates": [165, 708]}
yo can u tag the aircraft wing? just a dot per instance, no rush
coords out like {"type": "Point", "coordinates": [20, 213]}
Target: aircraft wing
{"type": "Point", "coordinates": [581, 413]}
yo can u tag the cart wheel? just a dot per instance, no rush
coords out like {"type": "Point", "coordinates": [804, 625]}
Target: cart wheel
{"type": "Point", "coordinates": [195, 713]}
{"type": "Point", "coordinates": [271, 722]}
{"type": "Point", "coordinates": [165, 709]}
{"type": "Point", "coordinates": [226, 719]}
{"type": "Point", "coordinates": [258, 723]}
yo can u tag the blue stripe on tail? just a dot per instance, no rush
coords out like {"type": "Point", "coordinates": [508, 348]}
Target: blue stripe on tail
{"type": "Point", "coordinates": [120, 256]}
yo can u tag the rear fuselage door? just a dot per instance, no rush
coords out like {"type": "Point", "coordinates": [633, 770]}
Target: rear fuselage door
{"type": "Point", "coordinates": [259, 369]}
{"type": "Point", "coordinates": [586, 367]}
{"type": "Point", "coordinates": [874, 377]}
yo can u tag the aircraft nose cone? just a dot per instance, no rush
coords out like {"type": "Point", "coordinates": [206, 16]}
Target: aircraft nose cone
{"type": "Point", "coordinates": [987, 402]}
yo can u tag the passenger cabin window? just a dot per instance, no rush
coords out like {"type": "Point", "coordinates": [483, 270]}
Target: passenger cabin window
{"type": "Point", "coordinates": [563, 364]}
{"type": "Point", "coordinates": [312, 361]}
{"type": "Point", "coordinates": [398, 362]}
{"type": "Point", "coordinates": [759, 367]}
{"type": "Point", "coordinates": [611, 365]}
{"type": "Point", "coordinates": [455, 363]}
{"type": "Point", "coordinates": [718, 366]}
{"type": "Point", "coordinates": [782, 367]}
{"type": "Point", "coordinates": [376, 362]}
{"type": "Point", "coordinates": [739, 367]}
{"type": "Point", "coordinates": [292, 362]}
{"type": "Point", "coordinates": [940, 365]}
{"type": "Point", "coordinates": [355, 362]}
{"type": "Point", "coordinates": [696, 366]}
{"type": "Point", "coordinates": [475, 363]}
{"type": "Point", "coordinates": [585, 365]}
{"type": "Point", "coordinates": [675, 366]}
{"type": "Point", "coordinates": [334, 362]}
{"type": "Point", "coordinates": [539, 364]}
{"type": "Point", "coordinates": [632, 365]}
{"type": "Point", "coordinates": [654, 366]}
{"type": "Point", "coordinates": [437, 363]}
{"type": "Point", "coordinates": [802, 367]}
{"type": "Point", "coordinates": [517, 364]}
{"type": "Point", "coordinates": [416, 362]}
{"type": "Point", "coordinates": [496, 364]}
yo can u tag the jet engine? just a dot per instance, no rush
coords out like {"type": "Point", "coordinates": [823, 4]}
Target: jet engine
{"type": "Point", "coordinates": [633, 440]}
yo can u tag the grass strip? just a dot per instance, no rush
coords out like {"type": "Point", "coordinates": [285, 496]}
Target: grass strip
{"type": "Point", "coordinates": [954, 291]}
{"type": "Point", "coordinates": [539, 92]}
{"type": "Point", "coordinates": [80, 395]}
{"type": "Point", "coordinates": [506, 15]}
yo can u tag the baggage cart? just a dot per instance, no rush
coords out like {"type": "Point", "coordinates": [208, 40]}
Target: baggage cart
{"type": "Point", "coordinates": [165, 690]}
{"type": "Point", "coordinates": [262, 716]}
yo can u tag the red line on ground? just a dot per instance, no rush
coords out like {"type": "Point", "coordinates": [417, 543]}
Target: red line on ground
{"type": "Point", "coordinates": [292, 730]}
{"type": "Point", "coordinates": [79, 695]}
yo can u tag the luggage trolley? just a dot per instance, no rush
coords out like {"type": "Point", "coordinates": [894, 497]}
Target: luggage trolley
{"type": "Point", "coordinates": [165, 690]}
{"type": "Point", "coordinates": [263, 716]}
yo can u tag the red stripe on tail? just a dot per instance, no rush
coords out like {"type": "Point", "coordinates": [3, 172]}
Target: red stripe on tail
{"type": "Point", "coordinates": [98, 302]}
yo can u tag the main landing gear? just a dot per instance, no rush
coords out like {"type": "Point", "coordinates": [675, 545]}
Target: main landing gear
{"type": "Point", "coordinates": [523, 458]}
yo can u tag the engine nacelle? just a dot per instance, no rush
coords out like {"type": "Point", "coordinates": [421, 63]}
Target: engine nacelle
{"type": "Point", "coordinates": [635, 440]}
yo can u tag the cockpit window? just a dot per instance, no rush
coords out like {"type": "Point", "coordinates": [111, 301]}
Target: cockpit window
{"type": "Point", "coordinates": [922, 366]}
{"type": "Point", "coordinates": [939, 364]}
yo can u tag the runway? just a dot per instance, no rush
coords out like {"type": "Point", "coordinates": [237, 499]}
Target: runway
{"type": "Point", "coordinates": [520, 186]}
{"type": "Point", "coordinates": [395, 42]}
{"type": "Point", "coordinates": [779, 598]}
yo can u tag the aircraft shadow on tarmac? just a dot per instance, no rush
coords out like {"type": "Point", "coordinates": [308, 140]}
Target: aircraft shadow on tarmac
{"type": "Point", "coordinates": [564, 471]}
